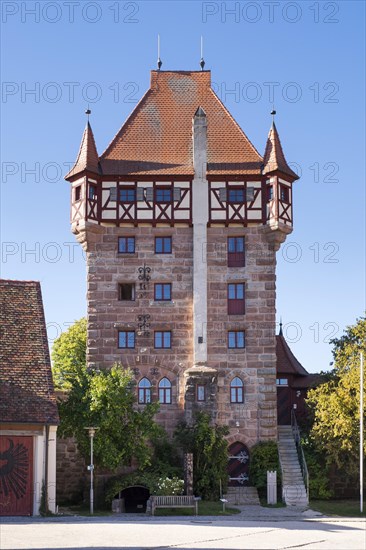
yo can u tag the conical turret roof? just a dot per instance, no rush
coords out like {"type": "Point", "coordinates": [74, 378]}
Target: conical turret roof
{"type": "Point", "coordinates": [274, 159]}
{"type": "Point", "coordinates": [87, 158]}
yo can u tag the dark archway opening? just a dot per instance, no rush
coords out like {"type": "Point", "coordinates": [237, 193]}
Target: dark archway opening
{"type": "Point", "coordinates": [135, 499]}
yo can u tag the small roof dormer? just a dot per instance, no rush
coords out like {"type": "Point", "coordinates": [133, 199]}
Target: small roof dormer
{"type": "Point", "coordinates": [87, 159]}
{"type": "Point", "coordinates": [274, 158]}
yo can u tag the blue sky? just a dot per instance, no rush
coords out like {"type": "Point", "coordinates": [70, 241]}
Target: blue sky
{"type": "Point", "coordinates": [305, 57]}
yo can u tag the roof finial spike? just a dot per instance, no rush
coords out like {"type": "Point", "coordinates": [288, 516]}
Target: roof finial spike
{"type": "Point", "coordinates": [202, 62]}
{"type": "Point", "coordinates": [88, 112]}
{"type": "Point", "coordinates": [280, 333]}
{"type": "Point", "coordinates": [273, 113]}
{"type": "Point", "coordinates": [159, 60]}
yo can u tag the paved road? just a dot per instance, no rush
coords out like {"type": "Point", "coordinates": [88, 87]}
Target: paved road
{"type": "Point", "coordinates": [183, 533]}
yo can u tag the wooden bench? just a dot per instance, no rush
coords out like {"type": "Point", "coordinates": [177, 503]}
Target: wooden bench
{"type": "Point", "coordinates": [178, 501]}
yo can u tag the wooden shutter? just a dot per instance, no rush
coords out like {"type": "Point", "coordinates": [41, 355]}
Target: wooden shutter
{"type": "Point", "coordinates": [250, 194]}
{"type": "Point", "coordinates": [113, 194]}
{"type": "Point", "coordinates": [140, 194]}
{"type": "Point", "coordinates": [149, 194]}
{"type": "Point", "coordinates": [223, 194]}
{"type": "Point", "coordinates": [177, 193]}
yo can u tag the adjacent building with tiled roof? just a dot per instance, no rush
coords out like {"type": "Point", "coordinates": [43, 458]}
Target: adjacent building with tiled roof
{"type": "Point", "coordinates": [181, 219]}
{"type": "Point", "coordinates": [28, 409]}
{"type": "Point", "coordinates": [293, 381]}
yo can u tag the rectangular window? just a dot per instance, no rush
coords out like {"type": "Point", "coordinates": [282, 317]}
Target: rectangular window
{"type": "Point", "coordinates": [127, 194]}
{"type": "Point", "coordinates": [126, 292]}
{"type": "Point", "coordinates": [269, 192]}
{"type": "Point", "coordinates": [92, 192]}
{"type": "Point", "coordinates": [236, 301]}
{"type": "Point", "coordinates": [163, 292]}
{"type": "Point", "coordinates": [163, 245]}
{"type": "Point", "coordinates": [236, 194]}
{"type": "Point", "coordinates": [201, 392]}
{"type": "Point", "coordinates": [126, 339]}
{"type": "Point", "coordinates": [236, 339]}
{"type": "Point", "coordinates": [126, 245]}
{"type": "Point", "coordinates": [163, 194]}
{"type": "Point", "coordinates": [235, 254]}
{"type": "Point", "coordinates": [282, 381]}
{"type": "Point", "coordinates": [162, 339]}
{"type": "Point", "coordinates": [284, 193]}
{"type": "Point", "coordinates": [77, 193]}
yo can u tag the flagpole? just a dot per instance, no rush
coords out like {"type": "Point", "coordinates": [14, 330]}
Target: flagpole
{"type": "Point", "coordinates": [361, 432]}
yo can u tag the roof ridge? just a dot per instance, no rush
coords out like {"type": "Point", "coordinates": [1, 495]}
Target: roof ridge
{"type": "Point", "coordinates": [18, 281]}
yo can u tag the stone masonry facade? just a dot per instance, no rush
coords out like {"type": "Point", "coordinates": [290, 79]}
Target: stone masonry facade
{"type": "Point", "coordinates": [253, 420]}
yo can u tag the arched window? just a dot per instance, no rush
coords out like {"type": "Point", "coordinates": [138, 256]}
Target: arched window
{"type": "Point", "coordinates": [144, 391]}
{"type": "Point", "coordinates": [165, 391]}
{"type": "Point", "coordinates": [237, 390]}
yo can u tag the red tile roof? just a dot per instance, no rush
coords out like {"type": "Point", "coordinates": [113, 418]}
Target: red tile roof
{"type": "Point", "coordinates": [286, 361]}
{"type": "Point", "coordinates": [156, 139]}
{"type": "Point", "coordinates": [26, 388]}
{"type": "Point", "coordinates": [274, 159]}
{"type": "Point", "coordinates": [87, 158]}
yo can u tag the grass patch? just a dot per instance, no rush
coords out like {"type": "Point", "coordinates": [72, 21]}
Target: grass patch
{"type": "Point", "coordinates": [82, 510]}
{"type": "Point", "coordinates": [278, 505]}
{"type": "Point", "coordinates": [343, 508]}
{"type": "Point", "coordinates": [205, 508]}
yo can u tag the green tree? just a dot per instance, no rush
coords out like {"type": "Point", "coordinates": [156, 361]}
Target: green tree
{"type": "Point", "coordinates": [336, 403]}
{"type": "Point", "coordinates": [209, 447]}
{"type": "Point", "coordinates": [69, 356]}
{"type": "Point", "coordinates": [105, 399]}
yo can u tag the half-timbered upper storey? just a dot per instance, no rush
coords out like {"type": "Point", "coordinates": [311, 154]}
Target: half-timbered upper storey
{"type": "Point", "coordinates": [147, 171]}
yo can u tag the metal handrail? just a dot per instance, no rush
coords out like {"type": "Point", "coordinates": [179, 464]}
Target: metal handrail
{"type": "Point", "coordinates": [300, 452]}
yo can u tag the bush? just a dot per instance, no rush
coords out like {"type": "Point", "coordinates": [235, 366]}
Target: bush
{"type": "Point", "coordinates": [318, 471]}
{"type": "Point", "coordinates": [209, 447]}
{"type": "Point", "coordinates": [264, 457]}
{"type": "Point", "coordinates": [167, 486]}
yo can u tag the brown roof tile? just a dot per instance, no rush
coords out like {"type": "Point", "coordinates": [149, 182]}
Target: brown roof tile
{"type": "Point", "coordinates": [274, 159]}
{"type": "Point", "coordinates": [87, 158]}
{"type": "Point", "coordinates": [26, 388]}
{"type": "Point", "coordinates": [156, 139]}
{"type": "Point", "coordinates": [286, 361]}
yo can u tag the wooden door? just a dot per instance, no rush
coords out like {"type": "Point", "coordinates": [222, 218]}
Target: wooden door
{"type": "Point", "coordinates": [238, 466]}
{"type": "Point", "coordinates": [16, 467]}
{"type": "Point", "coordinates": [284, 406]}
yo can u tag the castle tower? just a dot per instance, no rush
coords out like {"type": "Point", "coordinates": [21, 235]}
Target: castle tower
{"type": "Point", "coordinates": [180, 219]}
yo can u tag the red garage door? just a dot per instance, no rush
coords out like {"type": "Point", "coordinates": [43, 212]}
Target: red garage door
{"type": "Point", "coordinates": [16, 466]}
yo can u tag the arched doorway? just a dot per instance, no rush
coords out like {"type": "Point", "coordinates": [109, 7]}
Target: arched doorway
{"type": "Point", "coordinates": [135, 498]}
{"type": "Point", "coordinates": [238, 465]}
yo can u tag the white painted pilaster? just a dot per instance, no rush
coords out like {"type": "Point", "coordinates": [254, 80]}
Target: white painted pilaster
{"type": "Point", "coordinates": [200, 220]}
{"type": "Point", "coordinates": [52, 469]}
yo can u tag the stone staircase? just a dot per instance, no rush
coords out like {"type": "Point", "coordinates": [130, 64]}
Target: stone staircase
{"type": "Point", "coordinates": [293, 487]}
{"type": "Point", "coordinates": [243, 496]}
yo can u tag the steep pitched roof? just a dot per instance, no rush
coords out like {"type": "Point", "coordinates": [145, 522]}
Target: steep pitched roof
{"type": "Point", "coordinates": [286, 361]}
{"type": "Point", "coordinates": [157, 137]}
{"type": "Point", "coordinates": [274, 159]}
{"type": "Point", "coordinates": [87, 158]}
{"type": "Point", "coordinates": [26, 388]}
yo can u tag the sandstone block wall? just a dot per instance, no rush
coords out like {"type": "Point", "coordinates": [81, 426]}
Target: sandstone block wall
{"type": "Point", "coordinates": [256, 418]}
{"type": "Point", "coordinates": [251, 421]}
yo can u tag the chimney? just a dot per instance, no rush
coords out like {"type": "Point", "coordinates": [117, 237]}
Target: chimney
{"type": "Point", "coordinates": [199, 136]}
